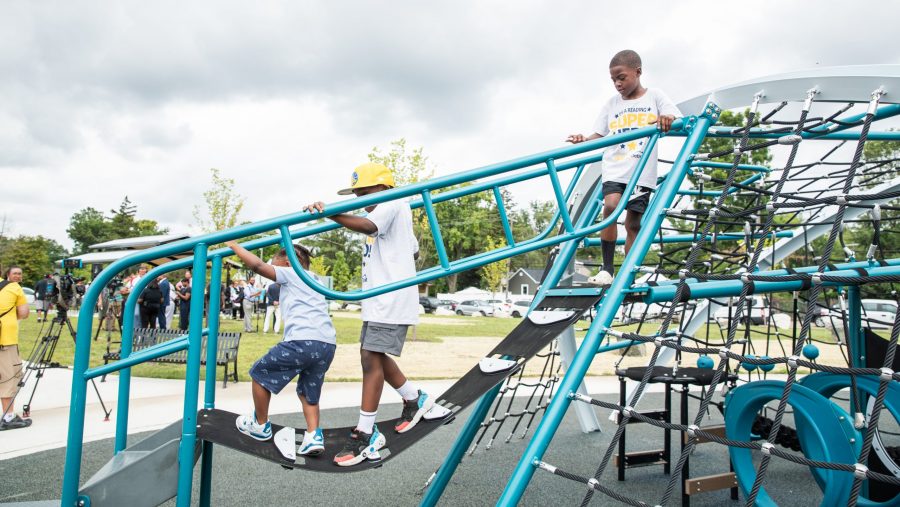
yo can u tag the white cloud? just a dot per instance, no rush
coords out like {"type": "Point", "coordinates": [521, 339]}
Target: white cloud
{"type": "Point", "coordinates": [102, 100]}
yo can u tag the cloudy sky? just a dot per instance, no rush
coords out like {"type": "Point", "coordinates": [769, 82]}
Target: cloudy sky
{"type": "Point", "coordinates": [106, 99]}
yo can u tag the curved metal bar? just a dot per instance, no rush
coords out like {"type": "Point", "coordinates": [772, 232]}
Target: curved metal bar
{"type": "Point", "coordinates": [458, 265]}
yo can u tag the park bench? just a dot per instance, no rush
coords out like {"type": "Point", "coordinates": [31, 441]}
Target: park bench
{"type": "Point", "coordinates": [226, 352]}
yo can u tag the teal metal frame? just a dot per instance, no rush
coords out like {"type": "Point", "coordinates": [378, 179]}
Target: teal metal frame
{"type": "Point", "coordinates": [696, 127]}
{"type": "Point", "coordinates": [547, 164]}
{"type": "Point", "coordinates": [454, 186]}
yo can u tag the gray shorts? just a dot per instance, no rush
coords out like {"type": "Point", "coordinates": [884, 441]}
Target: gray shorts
{"type": "Point", "coordinates": [385, 338]}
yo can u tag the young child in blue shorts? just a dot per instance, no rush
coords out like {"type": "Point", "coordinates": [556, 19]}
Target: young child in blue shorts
{"type": "Point", "coordinates": [632, 108]}
{"type": "Point", "coordinates": [306, 351]}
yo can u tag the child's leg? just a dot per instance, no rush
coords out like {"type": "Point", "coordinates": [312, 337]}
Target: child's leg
{"type": "Point", "coordinates": [261, 399]}
{"type": "Point", "coordinates": [310, 413]}
{"type": "Point", "coordinates": [632, 228]}
{"type": "Point", "coordinates": [373, 379]}
{"type": "Point", "coordinates": [609, 235]}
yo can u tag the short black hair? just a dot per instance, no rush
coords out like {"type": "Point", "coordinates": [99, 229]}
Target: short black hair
{"type": "Point", "coordinates": [626, 57]}
{"type": "Point", "coordinates": [302, 254]}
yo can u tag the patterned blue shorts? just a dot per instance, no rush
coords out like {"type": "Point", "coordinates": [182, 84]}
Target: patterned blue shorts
{"type": "Point", "coordinates": [309, 359]}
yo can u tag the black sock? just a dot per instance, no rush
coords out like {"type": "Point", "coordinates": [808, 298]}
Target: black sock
{"type": "Point", "coordinates": [608, 248]}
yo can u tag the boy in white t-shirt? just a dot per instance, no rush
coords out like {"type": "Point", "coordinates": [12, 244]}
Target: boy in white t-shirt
{"type": "Point", "coordinates": [634, 107]}
{"type": "Point", "coordinates": [389, 255]}
{"type": "Point", "coordinates": [306, 351]}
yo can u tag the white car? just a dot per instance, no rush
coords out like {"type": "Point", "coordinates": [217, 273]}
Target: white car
{"type": "Point", "coordinates": [501, 307]}
{"type": "Point", "coordinates": [876, 314]}
{"type": "Point", "coordinates": [29, 294]}
{"type": "Point", "coordinates": [759, 311]}
{"type": "Point", "coordinates": [482, 308]}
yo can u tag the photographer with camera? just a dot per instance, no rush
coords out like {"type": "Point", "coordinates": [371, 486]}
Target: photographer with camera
{"type": "Point", "coordinates": [13, 308]}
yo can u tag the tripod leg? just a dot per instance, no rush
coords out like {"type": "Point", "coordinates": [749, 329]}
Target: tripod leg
{"type": "Point", "coordinates": [93, 383]}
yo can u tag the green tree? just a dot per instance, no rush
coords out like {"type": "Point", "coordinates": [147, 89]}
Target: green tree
{"type": "Point", "coordinates": [494, 274]}
{"type": "Point", "coordinates": [36, 255]}
{"type": "Point", "coordinates": [223, 205]}
{"type": "Point", "coordinates": [317, 265]}
{"type": "Point", "coordinates": [89, 226]}
{"type": "Point", "coordinates": [341, 274]}
{"type": "Point", "coordinates": [409, 167]}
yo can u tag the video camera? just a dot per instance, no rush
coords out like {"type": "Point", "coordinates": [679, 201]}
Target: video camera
{"type": "Point", "coordinates": [63, 293]}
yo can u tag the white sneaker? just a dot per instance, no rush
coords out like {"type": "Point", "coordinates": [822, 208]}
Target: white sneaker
{"type": "Point", "coordinates": [601, 278]}
{"type": "Point", "coordinates": [247, 425]}
{"type": "Point", "coordinates": [313, 443]}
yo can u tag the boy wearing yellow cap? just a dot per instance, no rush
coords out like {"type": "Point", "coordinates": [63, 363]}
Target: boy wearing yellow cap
{"type": "Point", "coordinates": [389, 255]}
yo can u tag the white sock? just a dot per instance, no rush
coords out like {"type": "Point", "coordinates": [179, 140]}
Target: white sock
{"type": "Point", "coordinates": [9, 417]}
{"type": "Point", "coordinates": [408, 391]}
{"type": "Point", "coordinates": [366, 421]}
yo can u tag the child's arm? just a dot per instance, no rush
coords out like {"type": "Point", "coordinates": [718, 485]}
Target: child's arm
{"type": "Point", "coordinates": [352, 222]}
{"type": "Point", "coordinates": [251, 261]}
{"type": "Point", "coordinates": [664, 122]}
{"type": "Point", "coordinates": [580, 138]}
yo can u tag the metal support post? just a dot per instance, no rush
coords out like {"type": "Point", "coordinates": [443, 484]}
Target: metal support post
{"type": "Point", "coordinates": [209, 399]}
{"type": "Point", "coordinates": [462, 443]}
{"type": "Point", "coordinates": [192, 380]}
{"type": "Point", "coordinates": [606, 312]}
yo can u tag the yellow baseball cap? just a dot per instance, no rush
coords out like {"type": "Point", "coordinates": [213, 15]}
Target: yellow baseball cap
{"type": "Point", "coordinates": [369, 175]}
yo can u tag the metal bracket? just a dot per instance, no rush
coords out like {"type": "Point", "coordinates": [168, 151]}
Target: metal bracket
{"type": "Point", "coordinates": [543, 317]}
{"type": "Point", "coordinates": [492, 365]}
{"type": "Point", "coordinates": [286, 442]}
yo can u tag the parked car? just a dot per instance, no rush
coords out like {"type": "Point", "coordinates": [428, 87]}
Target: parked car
{"type": "Point", "coordinates": [759, 311]}
{"type": "Point", "coordinates": [430, 304]}
{"type": "Point", "coordinates": [520, 308]}
{"type": "Point", "coordinates": [500, 307]}
{"type": "Point", "coordinates": [29, 294]}
{"type": "Point", "coordinates": [876, 314]}
{"type": "Point", "coordinates": [482, 308]}
{"type": "Point", "coordinates": [449, 304]}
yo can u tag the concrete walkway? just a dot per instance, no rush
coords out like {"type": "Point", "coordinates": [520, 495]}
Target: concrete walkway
{"type": "Point", "coordinates": [156, 403]}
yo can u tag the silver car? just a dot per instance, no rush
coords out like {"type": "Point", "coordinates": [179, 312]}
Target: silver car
{"type": "Point", "coordinates": [482, 308]}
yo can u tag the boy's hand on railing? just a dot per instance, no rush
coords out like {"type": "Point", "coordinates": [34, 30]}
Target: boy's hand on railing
{"type": "Point", "coordinates": [575, 138]}
{"type": "Point", "coordinates": [316, 207]}
{"type": "Point", "coordinates": [665, 122]}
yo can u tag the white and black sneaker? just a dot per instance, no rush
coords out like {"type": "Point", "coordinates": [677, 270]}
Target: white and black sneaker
{"type": "Point", "coordinates": [313, 443]}
{"type": "Point", "coordinates": [413, 410]}
{"type": "Point", "coordinates": [360, 447]}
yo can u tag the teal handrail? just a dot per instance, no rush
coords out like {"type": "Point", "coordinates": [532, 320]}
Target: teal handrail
{"type": "Point", "coordinates": [281, 223]}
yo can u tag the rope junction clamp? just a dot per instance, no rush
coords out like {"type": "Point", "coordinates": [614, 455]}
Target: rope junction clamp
{"type": "Point", "coordinates": [860, 471]}
{"type": "Point", "coordinates": [766, 448]}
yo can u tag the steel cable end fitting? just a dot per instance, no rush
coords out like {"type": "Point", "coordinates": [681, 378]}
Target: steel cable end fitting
{"type": "Point", "coordinates": [692, 430]}
{"type": "Point", "coordinates": [790, 139]}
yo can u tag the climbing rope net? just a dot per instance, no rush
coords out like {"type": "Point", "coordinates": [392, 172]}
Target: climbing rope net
{"type": "Point", "coordinates": [734, 223]}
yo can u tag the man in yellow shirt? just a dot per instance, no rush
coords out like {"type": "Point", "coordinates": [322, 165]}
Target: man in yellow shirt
{"type": "Point", "coordinates": [13, 308]}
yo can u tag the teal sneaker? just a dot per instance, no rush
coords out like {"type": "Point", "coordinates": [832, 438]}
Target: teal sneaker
{"type": "Point", "coordinates": [360, 447]}
{"type": "Point", "coordinates": [413, 410]}
{"type": "Point", "coordinates": [313, 443]}
{"type": "Point", "coordinates": [247, 425]}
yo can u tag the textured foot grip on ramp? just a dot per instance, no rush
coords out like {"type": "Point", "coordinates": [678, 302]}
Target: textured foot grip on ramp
{"type": "Point", "coordinates": [526, 340]}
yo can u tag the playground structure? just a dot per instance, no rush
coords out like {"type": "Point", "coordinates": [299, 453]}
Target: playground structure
{"type": "Point", "coordinates": [780, 210]}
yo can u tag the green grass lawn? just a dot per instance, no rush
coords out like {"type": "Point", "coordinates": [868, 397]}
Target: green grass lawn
{"type": "Point", "coordinates": [253, 345]}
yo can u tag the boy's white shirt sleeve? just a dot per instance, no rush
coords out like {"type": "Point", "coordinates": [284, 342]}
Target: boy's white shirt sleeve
{"type": "Point", "coordinates": [665, 106]}
{"type": "Point", "coordinates": [601, 124]}
{"type": "Point", "coordinates": [383, 216]}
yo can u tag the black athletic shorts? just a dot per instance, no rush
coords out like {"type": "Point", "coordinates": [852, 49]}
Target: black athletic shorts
{"type": "Point", "coordinates": [639, 201]}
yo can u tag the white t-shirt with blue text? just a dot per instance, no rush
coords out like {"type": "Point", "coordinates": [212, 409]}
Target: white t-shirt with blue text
{"type": "Point", "coordinates": [303, 310]}
{"type": "Point", "coordinates": [619, 115]}
{"type": "Point", "coordinates": [389, 256]}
